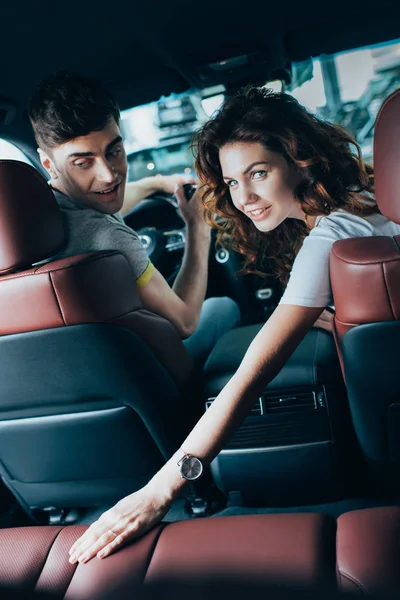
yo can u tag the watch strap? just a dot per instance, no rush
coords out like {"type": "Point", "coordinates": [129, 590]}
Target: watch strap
{"type": "Point", "coordinates": [179, 456]}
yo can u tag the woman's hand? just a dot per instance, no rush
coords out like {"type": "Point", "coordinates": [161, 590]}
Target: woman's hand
{"type": "Point", "coordinates": [130, 517]}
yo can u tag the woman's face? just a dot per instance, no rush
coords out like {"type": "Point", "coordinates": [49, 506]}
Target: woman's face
{"type": "Point", "coordinates": [261, 184]}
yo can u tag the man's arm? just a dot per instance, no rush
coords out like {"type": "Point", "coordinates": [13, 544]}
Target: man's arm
{"type": "Point", "coordinates": [181, 305]}
{"type": "Point", "coordinates": [135, 191]}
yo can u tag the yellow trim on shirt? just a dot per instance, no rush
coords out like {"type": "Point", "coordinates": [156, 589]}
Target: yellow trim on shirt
{"type": "Point", "coordinates": [146, 275]}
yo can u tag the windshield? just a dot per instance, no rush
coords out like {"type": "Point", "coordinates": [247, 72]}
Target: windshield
{"type": "Point", "coordinates": [349, 88]}
{"type": "Point", "coordinates": [346, 88]}
{"type": "Point", "coordinates": [157, 136]}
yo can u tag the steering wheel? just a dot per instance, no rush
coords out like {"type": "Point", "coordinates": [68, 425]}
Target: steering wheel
{"type": "Point", "coordinates": [161, 230]}
{"type": "Point", "coordinates": [157, 241]}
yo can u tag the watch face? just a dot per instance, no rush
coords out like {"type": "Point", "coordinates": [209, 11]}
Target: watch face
{"type": "Point", "coordinates": [191, 468]}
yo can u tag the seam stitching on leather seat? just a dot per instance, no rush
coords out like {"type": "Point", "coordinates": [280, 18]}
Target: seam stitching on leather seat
{"type": "Point", "coordinates": [47, 556]}
{"type": "Point", "coordinates": [369, 262]}
{"type": "Point", "coordinates": [354, 580]}
{"type": "Point", "coordinates": [345, 322]}
{"type": "Point", "coordinates": [387, 291]}
{"type": "Point", "coordinates": [36, 271]}
{"type": "Point", "coordinates": [88, 259]}
{"type": "Point", "coordinates": [152, 551]}
{"type": "Point", "coordinates": [18, 276]}
{"type": "Point", "coordinates": [58, 301]}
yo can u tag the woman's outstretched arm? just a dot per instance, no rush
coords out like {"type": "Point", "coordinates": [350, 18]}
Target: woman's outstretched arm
{"type": "Point", "coordinates": [140, 511]}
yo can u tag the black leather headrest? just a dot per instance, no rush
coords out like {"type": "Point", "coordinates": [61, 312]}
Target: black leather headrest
{"type": "Point", "coordinates": [31, 224]}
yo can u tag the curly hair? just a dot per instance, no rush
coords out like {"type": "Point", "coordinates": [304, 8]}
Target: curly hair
{"type": "Point", "coordinates": [327, 159]}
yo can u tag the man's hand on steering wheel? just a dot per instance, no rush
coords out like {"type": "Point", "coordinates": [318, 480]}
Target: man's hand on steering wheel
{"type": "Point", "coordinates": [136, 191]}
{"type": "Point", "coordinates": [192, 211]}
{"type": "Point", "coordinates": [168, 183]}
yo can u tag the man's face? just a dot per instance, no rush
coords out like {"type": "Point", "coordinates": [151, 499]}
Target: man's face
{"type": "Point", "coordinates": [90, 169]}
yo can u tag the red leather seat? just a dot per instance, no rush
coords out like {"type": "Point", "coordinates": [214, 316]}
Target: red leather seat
{"type": "Point", "coordinates": [298, 548]}
{"type": "Point", "coordinates": [368, 558]}
{"type": "Point", "coordinates": [365, 278]}
{"type": "Point", "coordinates": [94, 388]}
{"type": "Point", "coordinates": [96, 287]}
{"type": "Point", "coordinates": [358, 553]}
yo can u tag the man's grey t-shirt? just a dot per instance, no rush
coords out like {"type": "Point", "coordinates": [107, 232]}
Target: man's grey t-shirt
{"type": "Point", "coordinates": [90, 230]}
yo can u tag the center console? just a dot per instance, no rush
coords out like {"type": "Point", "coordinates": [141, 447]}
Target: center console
{"type": "Point", "coordinates": [294, 446]}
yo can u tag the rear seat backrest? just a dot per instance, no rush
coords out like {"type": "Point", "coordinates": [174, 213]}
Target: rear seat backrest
{"type": "Point", "coordinates": [365, 278]}
{"type": "Point", "coordinates": [87, 288]}
{"type": "Point", "coordinates": [81, 361]}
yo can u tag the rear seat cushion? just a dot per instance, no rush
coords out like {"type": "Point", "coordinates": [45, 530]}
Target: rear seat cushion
{"type": "Point", "coordinates": [368, 543]}
{"type": "Point", "coordinates": [23, 554]}
{"type": "Point", "coordinates": [114, 576]}
{"type": "Point", "coordinates": [282, 545]}
{"type": "Point", "coordinates": [297, 547]}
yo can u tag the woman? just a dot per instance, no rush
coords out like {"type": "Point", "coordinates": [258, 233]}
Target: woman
{"type": "Point", "coordinates": [288, 185]}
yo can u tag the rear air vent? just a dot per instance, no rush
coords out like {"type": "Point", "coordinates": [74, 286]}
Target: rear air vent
{"type": "Point", "coordinates": [296, 402]}
{"type": "Point", "coordinates": [286, 402]}
{"type": "Point", "coordinates": [256, 411]}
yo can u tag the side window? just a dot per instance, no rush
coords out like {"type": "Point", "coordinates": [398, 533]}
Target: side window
{"type": "Point", "coordinates": [9, 151]}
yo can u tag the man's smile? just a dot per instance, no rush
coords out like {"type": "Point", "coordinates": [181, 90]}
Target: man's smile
{"type": "Point", "coordinates": [108, 190]}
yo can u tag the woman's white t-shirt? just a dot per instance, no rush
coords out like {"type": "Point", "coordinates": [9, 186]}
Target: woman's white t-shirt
{"type": "Point", "coordinates": [309, 283]}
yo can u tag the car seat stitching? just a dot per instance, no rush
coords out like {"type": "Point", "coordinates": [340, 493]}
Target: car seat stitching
{"type": "Point", "coordinates": [156, 539]}
{"type": "Point", "coordinates": [354, 580]}
{"type": "Point", "coordinates": [47, 555]}
{"type": "Point", "coordinates": [345, 322]}
{"type": "Point", "coordinates": [36, 271]}
{"type": "Point", "coordinates": [15, 276]}
{"type": "Point", "coordinates": [57, 298]}
{"type": "Point", "coordinates": [79, 263]}
{"type": "Point", "coordinates": [388, 292]}
{"type": "Point", "coordinates": [367, 262]}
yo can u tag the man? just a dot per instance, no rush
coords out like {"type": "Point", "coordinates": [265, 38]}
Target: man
{"type": "Point", "coordinates": [76, 126]}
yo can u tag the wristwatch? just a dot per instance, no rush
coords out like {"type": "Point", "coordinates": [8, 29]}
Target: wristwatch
{"type": "Point", "coordinates": [190, 466]}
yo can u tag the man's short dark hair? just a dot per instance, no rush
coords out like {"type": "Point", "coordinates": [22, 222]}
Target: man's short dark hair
{"type": "Point", "coordinates": [65, 106]}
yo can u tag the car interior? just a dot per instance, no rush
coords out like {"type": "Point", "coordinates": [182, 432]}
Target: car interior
{"type": "Point", "coordinates": [307, 489]}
